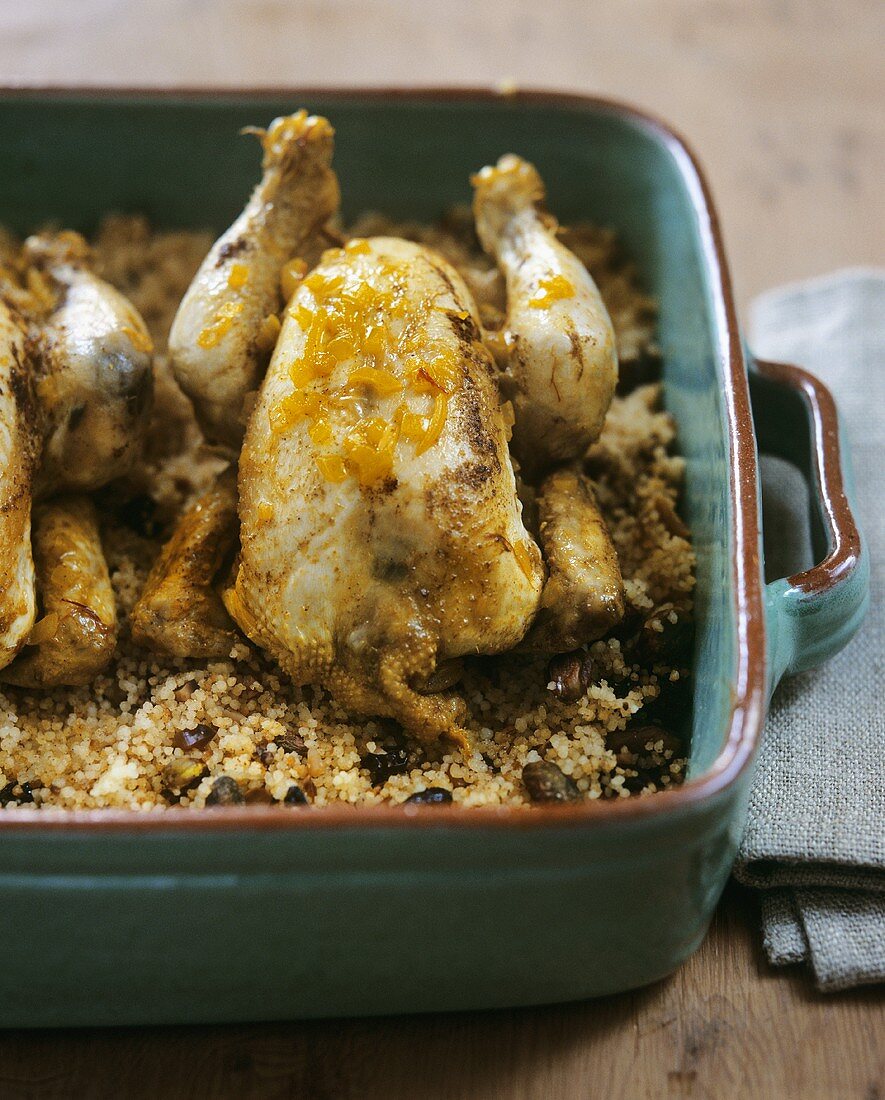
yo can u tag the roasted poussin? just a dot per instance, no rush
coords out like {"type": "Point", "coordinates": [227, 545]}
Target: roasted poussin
{"type": "Point", "coordinates": [180, 611]}
{"type": "Point", "coordinates": [557, 345]}
{"type": "Point", "coordinates": [76, 634]}
{"type": "Point", "coordinates": [583, 595]}
{"type": "Point", "coordinates": [381, 534]}
{"type": "Point", "coordinates": [226, 324]}
{"type": "Point", "coordinates": [19, 450]}
{"type": "Point", "coordinates": [94, 369]}
{"type": "Point", "coordinates": [77, 388]}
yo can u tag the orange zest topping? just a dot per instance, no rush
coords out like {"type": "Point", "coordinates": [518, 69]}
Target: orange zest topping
{"type": "Point", "coordinates": [383, 382]}
{"type": "Point", "coordinates": [349, 321]}
{"type": "Point", "coordinates": [375, 341]}
{"type": "Point", "coordinates": [357, 246]}
{"type": "Point", "coordinates": [302, 315]}
{"type": "Point", "coordinates": [291, 276]}
{"type": "Point", "coordinates": [265, 512]}
{"type": "Point", "coordinates": [324, 286]}
{"type": "Point", "coordinates": [214, 332]}
{"type": "Point", "coordinates": [444, 373]}
{"type": "Point", "coordinates": [550, 290]}
{"type": "Point", "coordinates": [138, 338]}
{"type": "Point", "coordinates": [411, 425]}
{"type": "Point", "coordinates": [238, 276]}
{"type": "Point", "coordinates": [341, 348]}
{"type": "Point", "coordinates": [369, 448]}
{"type": "Point", "coordinates": [292, 408]}
{"type": "Point", "coordinates": [301, 374]}
{"type": "Point", "coordinates": [332, 467]}
{"type": "Point", "coordinates": [320, 432]}
{"type": "Point", "coordinates": [435, 425]}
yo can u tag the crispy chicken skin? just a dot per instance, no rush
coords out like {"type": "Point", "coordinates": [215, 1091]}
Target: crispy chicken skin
{"type": "Point", "coordinates": [76, 635]}
{"type": "Point", "coordinates": [94, 370]}
{"type": "Point", "coordinates": [180, 610]}
{"type": "Point", "coordinates": [224, 329]}
{"type": "Point", "coordinates": [557, 345]}
{"type": "Point", "coordinates": [19, 438]}
{"type": "Point", "coordinates": [381, 532]}
{"type": "Point", "coordinates": [583, 597]}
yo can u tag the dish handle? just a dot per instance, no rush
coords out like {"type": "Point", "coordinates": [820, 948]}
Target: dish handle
{"type": "Point", "coordinates": [814, 614]}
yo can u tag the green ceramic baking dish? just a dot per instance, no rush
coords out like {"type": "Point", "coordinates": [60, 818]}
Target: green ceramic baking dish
{"type": "Point", "coordinates": [109, 918]}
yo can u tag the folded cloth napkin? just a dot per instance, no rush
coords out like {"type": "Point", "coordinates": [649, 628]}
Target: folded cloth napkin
{"type": "Point", "coordinates": [815, 838]}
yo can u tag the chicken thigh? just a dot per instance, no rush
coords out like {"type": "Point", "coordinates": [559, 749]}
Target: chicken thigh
{"type": "Point", "coordinates": [380, 527]}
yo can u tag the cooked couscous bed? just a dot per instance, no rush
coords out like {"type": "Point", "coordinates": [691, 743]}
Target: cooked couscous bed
{"type": "Point", "coordinates": [151, 733]}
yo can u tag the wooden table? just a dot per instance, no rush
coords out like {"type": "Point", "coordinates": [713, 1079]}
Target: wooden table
{"type": "Point", "coordinates": [783, 100]}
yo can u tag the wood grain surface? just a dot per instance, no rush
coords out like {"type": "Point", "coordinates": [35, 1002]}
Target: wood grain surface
{"type": "Point", "coordinates": [783, 101]}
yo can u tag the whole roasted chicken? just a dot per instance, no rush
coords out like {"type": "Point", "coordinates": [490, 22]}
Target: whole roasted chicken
{"type": "Point", "coordinates": [382, 535]}
{"type": "Point", "coordinates": [76, 383]}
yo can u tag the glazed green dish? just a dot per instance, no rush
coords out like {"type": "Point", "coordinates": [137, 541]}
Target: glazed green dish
{"type": "Point", "coordinates": [261, 913]}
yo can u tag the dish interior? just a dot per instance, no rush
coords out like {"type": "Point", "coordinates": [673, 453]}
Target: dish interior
{"type": "Point", "coordinates": [70, 160]}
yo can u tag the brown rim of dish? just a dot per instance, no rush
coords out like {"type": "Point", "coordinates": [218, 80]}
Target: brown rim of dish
{"type": "Point", "coordinates": [843, 536]}
{"type": "Point", "coordinates": [749, 677]}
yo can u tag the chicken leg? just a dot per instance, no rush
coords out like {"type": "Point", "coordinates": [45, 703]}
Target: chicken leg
{"type": "Point", "coordinates": [557, 345]}
{"type": "Point", "coordinates": [226, 324]}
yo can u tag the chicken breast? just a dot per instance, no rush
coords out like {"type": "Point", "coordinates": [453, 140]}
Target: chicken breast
{"type": "Point", "coordinates": [19, 444]}
{"type": "Point", "coordinates": [95, 373]}
{"type": "Point", "coordinates": [380, 527]}
{"type": "Point", "coordinates": [557, 344]}
{"type": "Point", "coordinates": [76, 635]}
{"type": "Point", "coordinates": [226, 325]}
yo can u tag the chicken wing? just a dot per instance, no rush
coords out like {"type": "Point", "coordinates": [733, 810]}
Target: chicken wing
{"type": "Point", "coordinates": [19, 442]}
{"type": "Point", "coordinates": [95, 376]}
{"type": "Point", "coordinates": [583, 597]}
{"type": "Point", "coordinates": [557, 344]}
{"type": "Point", "coordinates": [76, 635]}
{"type": "Point", "coordinates": [226, 324]}
{"type": "Point", "coordinates": [381, 532]}
{"type": "Point", "coordinates": [180, 610]}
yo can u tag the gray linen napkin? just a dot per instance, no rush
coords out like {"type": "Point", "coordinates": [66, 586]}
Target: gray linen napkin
{"type": "Point", "coordinates": [815, 837]}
